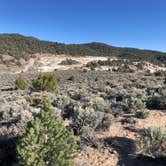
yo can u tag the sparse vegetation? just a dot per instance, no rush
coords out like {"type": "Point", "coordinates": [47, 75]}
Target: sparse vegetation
{"type": "Point", "coordinates": [160, 73]}
{"type": "Point", "coordinates": [96, 105]}
{"type": "Point", "coordinates": [124, 69]}
{"type": "Point", "coordinates": [69, 62]}
{"type": "Point", "coordinates": [153, 143]}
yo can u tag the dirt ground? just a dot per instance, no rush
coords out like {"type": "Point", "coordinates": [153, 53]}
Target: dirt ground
{"type": "Point", "coordinates": [121, 144]}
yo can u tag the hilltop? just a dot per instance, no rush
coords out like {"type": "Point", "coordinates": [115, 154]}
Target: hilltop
{"type": "Point", "coordinates": [18, 46]}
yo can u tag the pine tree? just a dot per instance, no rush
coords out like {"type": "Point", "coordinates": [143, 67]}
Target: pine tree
{"type": "Point", "coordinates": [46, 141]}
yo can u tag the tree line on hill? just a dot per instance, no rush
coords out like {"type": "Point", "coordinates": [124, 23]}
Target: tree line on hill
{"type": "Point", "coordinates": [20, 46]}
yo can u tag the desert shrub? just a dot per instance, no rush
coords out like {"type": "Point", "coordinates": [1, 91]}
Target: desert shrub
{"type": "Point", "coordinates": [105, 122]}
{"type": "Point", "coordinates": [156, 102]}
{"type": "Point", "coordinates": [125, 69]}
{"type": "Point", "coordinates": [162, 91]}
{"type": "Point", "coordinates": [108, 62]}
{"type": "Point", "coordinates": [92, 64]}
{"type": "Point", "coordinates": [21, 83]}
{"type": "Point", "coordinates": [150, 91]}
{"type": "Point", "coordinates": [140, 65]}
{"type": "Point", "coordinates": [68, 61]}
{"type": "Point", "coordinates": [39, 101]}
{"type": "Point", "coordinates": [85, 70]}
{"type": "Point", "coordinates": [70, 110]}
{"type": "Point", "coordinates": [61, 101]}
{"type": "Point", "coordinates": [45, 82]}
{"type": "Point", "coordinates": [142, 114]}
{"type": "Point", "coordinates": [152, 143]}
{"type": "Point", "coordinates": [99, 104]}
{"type": "Point", "coordinates": [129, 120]}
{"type": "Point", "coordinates": [118, 109]}
{"type": "Point", "coordinates": [88, 137]}
{"type": "Point", "coordinates": [92, 68]}
{"type": "Point", "coordinates": [10, 111]}
{"type": "Point", "coordinates": [74, 94]}
{"type": "Point", "coordinates": [89, 117]}
{"type": "Point", "coordinates": [134, 104]}
{"type": "Point", "coordinates": [83, 118]}
{"type": "Point", "coordinates": [46, 141]}
{"type": "Point", "coordinates": [160, 73]}
{"type": "Point", "coordinates": [165, 81]}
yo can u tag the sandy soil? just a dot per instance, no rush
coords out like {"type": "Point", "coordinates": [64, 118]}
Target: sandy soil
{"type": "Point", "coordinates": [51, 62]}
{"type": "Point", "coordinates": [48, 62]}
{"type": "Point", "coordinates": [121, 139]}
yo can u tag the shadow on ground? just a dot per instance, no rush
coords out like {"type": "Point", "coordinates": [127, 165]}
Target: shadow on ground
{"type": "Point", "coordinates": [7, 152]}
{"type": "Point", "coordinates": [126, 148]}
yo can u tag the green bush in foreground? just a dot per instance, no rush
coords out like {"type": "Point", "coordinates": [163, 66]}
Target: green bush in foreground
{"type": "Point", "coordinates": [21, 83]}
{"type": "Point", "coordinates": [153, 143]}
{"type": "Point", "coordinates": [46, 141]}
{"type": "Point", "coordinates": [45, 82]}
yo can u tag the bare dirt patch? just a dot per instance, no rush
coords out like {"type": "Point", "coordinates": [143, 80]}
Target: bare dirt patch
{"type": "Point", "coordinates": [52, 62]}
{"type": "Point", "coordinates": [121, 143]}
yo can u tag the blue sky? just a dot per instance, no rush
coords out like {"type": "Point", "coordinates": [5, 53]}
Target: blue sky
{"type": "Point", "coordinates": [129, 23]}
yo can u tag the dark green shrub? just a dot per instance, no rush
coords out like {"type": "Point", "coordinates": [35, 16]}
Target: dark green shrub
{"type": "Point", "coordinates": [21, 83]}
{"type": "Point", "coordinates": [142, 114]}
{"type": "Point", "coordinates": [45, 82]}
{"type": "Point", "coordinates": [46, 142]}
{"type": "Point", "coordinates": [152, 143]}
{"type": "Point", "coordinates": [156, 103]}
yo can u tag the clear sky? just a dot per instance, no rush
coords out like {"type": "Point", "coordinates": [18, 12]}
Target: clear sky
{"type": "Point", "coordinates": [131, 23]}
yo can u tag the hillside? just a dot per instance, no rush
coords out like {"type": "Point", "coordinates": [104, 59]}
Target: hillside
{"type": "Point", "coordinates": [19, 46]}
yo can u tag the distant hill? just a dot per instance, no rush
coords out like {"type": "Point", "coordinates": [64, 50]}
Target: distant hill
{"type": "Point", "coordinates": [19, 46]}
